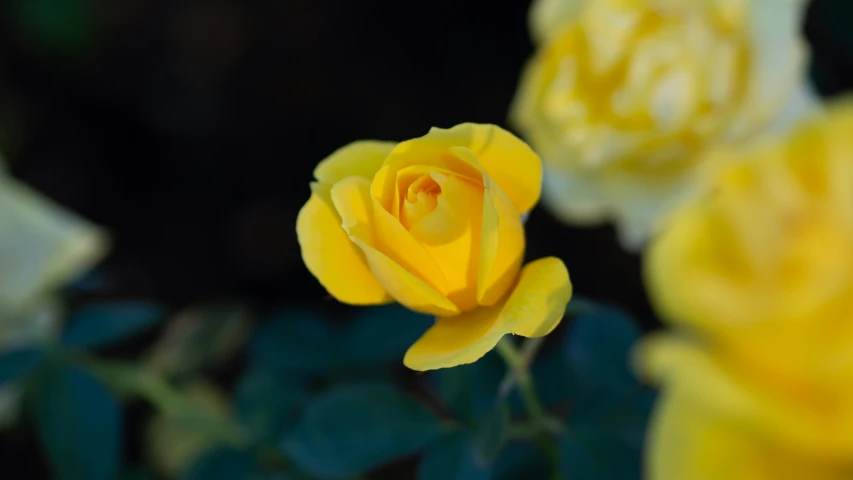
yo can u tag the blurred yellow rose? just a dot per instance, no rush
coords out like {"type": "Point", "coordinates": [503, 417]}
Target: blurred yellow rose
{"type": "Point", "coordinates": [718, 421]}
{"type": "Point", "coordinates": [622, 96]}
{"type": "Point", "coordinates": [435, 224]}
{"type": "Point", "coordinates": [42, 247]}
{"type": "Point", "coordinates": [760, 273]}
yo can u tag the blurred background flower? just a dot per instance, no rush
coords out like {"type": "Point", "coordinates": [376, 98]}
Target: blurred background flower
{"type": "Point", "coordinates": [759, 276]}
{"type": "Point", "coordinates": [201, 347]}
{"type": "Point", "coordinates": [622, 97]}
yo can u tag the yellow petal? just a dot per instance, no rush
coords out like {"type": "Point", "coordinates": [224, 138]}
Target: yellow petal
{"type": "Point", "coordinates": [451, 236]}
{"type": "Point", "coordinates": [457, 340]}
{"type": "Point", "coordinates": [779, 62]}
{"type": "Point", "coordinates": [547, 17]}
{"type": "Point", "coordinates": [352, 199]}
{"type": "Point", "coordinates": [332, 258]}
{"type": "Point", "coordinates": [538, 301]}
{"type": "Point", "coordinates": [420, 152]}
{"type": "Point", "coordinates": [504, 157]}
{"type": "Point", "coordinates": [361, 159]}
{"type": "Point", "coordinates": [501, 242]}
{"type": "Point", "coordinates": [533, 309]}
{"type": "Point", "coordinates": [687, 441]}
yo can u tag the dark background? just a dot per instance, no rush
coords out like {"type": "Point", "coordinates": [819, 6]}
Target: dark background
{"type": "Point", "coordinates": [189, 129]}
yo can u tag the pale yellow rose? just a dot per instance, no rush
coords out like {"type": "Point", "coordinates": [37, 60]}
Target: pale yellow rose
{"type": "Point", "coordinates": [759, 273]}
{"type": "Point", "coordinates": [434, 223]}
{"type": "Point", "coordinates": [622, 97]}
{"type": "Point", "coordinates": [42, 247]}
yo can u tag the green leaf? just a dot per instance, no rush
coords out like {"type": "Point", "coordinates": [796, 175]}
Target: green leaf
{"type": "Point", "coordinates": [200, 337]}
{"type": "Point", "coordinates": [491, 434]}
{"type": "Point", "coordinates": [79, 425]}
{"type": "Point", "coordinates": [295, 341]}
{"type": "Point", "coordinates": [222, 463]}
{"type": "Point", "coordinates": [101, 324]}
{"type": "Point", "coordinates": [554, 380]}
{"type": "Point", "coordinates": [354, 428]}
{"type": "Point", "coordinates": [625, 416]}
{"type": "Point", "coordinates": [595, 455]}
{"type": "Point", "coordinates": [597, 351]}
{"type": "Point", "coordinates": [453, 457]}
{"type": "Point", "coordinates": [383, 334]}
{"type": "Point", "coordinates": [19, 363]}
{"type": "Point", "coordinates": [523, 460]}
{"type": "Point", "coordinates": [268, 402]}
{"type": "Point", "coordinates": [469, 391]}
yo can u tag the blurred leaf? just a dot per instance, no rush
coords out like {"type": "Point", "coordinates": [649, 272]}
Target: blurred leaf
{"type": "Point", "coordinates": [625, 417]}
{"type": "Point", "coordinates": [554, 380]}
{"type": "Point", "coordinates": [354, 428]}
{"type": "Point", "coordinates": [200, 337]}
{"type": "Point", "coordinates": [523, 460]}
{"type": "Point", "coordinates": [19, 363]}
{"type": "Point", "coordinates": [594, 455]}
{"type": "Point", "coordinates": [491, 434]}
{"type": "Point", "coordinates": [222, 463]}
{"type": "Point", "coordinates": [469, 391]}
{"type": "Point", "coordinates": [44, 246]}
{"type": "Point", "coordinates": [101, 324]}
{"type": "Point", "coordinates": [79, 425]}
{"type": "Point", "coordinates": [40, 325]}
{"type": "Point", "coordinates": [175, 440]}
{"type": "Point", "coordinates": [452, 457]}
{"type": "Point", "coordinates": [597, 349]}
{"type": "Point", "coordinates": [267, 403]}
{"type": "Point", "coordinates": [383, 334]}
{"type": "Point", "coordinates": [295, 341]}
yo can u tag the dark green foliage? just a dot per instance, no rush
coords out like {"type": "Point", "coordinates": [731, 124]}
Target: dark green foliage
{"type": "Point", "coordinates": [453, 457]}
{"type": "Point", "coordinates": [354, 428]}
{"type": "Point", "coordinates": [101, 324]}
{"type": "Point", "coordinates": [17, 364]}
{"type": "Point", "coordinates": [79, 425]}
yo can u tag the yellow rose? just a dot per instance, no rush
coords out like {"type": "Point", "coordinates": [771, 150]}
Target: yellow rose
{"type": "Point", "coordinates": [622, 96]}
{"type": "Point", "coordinates": [760, 272]}
{"type": "Point", "coordinates": [435, 224]}
{"type": "Point", "coordinates": [717, 420]}
{"type": "Point", "coordinates": [42, 247]}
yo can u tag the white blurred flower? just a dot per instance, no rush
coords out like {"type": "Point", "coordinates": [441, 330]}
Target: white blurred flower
{"type": "Point", "coordinates": [623, 96]}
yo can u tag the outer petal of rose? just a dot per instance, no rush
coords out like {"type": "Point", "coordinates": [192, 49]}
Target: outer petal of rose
{"type": "Point", "coordinates": [688, 441]}
{"type": "Point", "coordinates": [575, 198]}
{"type": "Point", "coordinates": [779, 60]}
{"type": "Point", "coordinates": [533, 309]}
{"type": "Point", "coordinates": [332, 258]}
{"type": "Point", "coordinates": [548, 16]}
{"type": "Point", "coordinates": [44, 246]}
{"type": "Point", "coordinates": [505, 158]}
{"type": "Point", "coordinates": [361, 159]}
{"type": "Point", "coordinates": [352, 200]}
{"type": "Point", "coordinates": [501, 239]}
{"type": "Point", "coordinates": [721, 385]}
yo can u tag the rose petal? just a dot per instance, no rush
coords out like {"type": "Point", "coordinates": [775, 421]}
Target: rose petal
{"type": "Point", "coordinates": [451, 235]}
{"type": "Point", "coordinates": [501, 239]}
{"type": "Point", "coordinates": [504, 157]}
{"type": "Point", "coordinates": [361, 159]}
{"type": "Point", "coordinates": [327, 250]}
{"type": "Point", "coordinates": [533, 309]}
{"type": "Point", "coordinates": [352, 199]}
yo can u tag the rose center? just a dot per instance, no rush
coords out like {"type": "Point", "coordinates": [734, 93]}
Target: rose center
{"type": "Point", "coordinates": [420, 199]}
